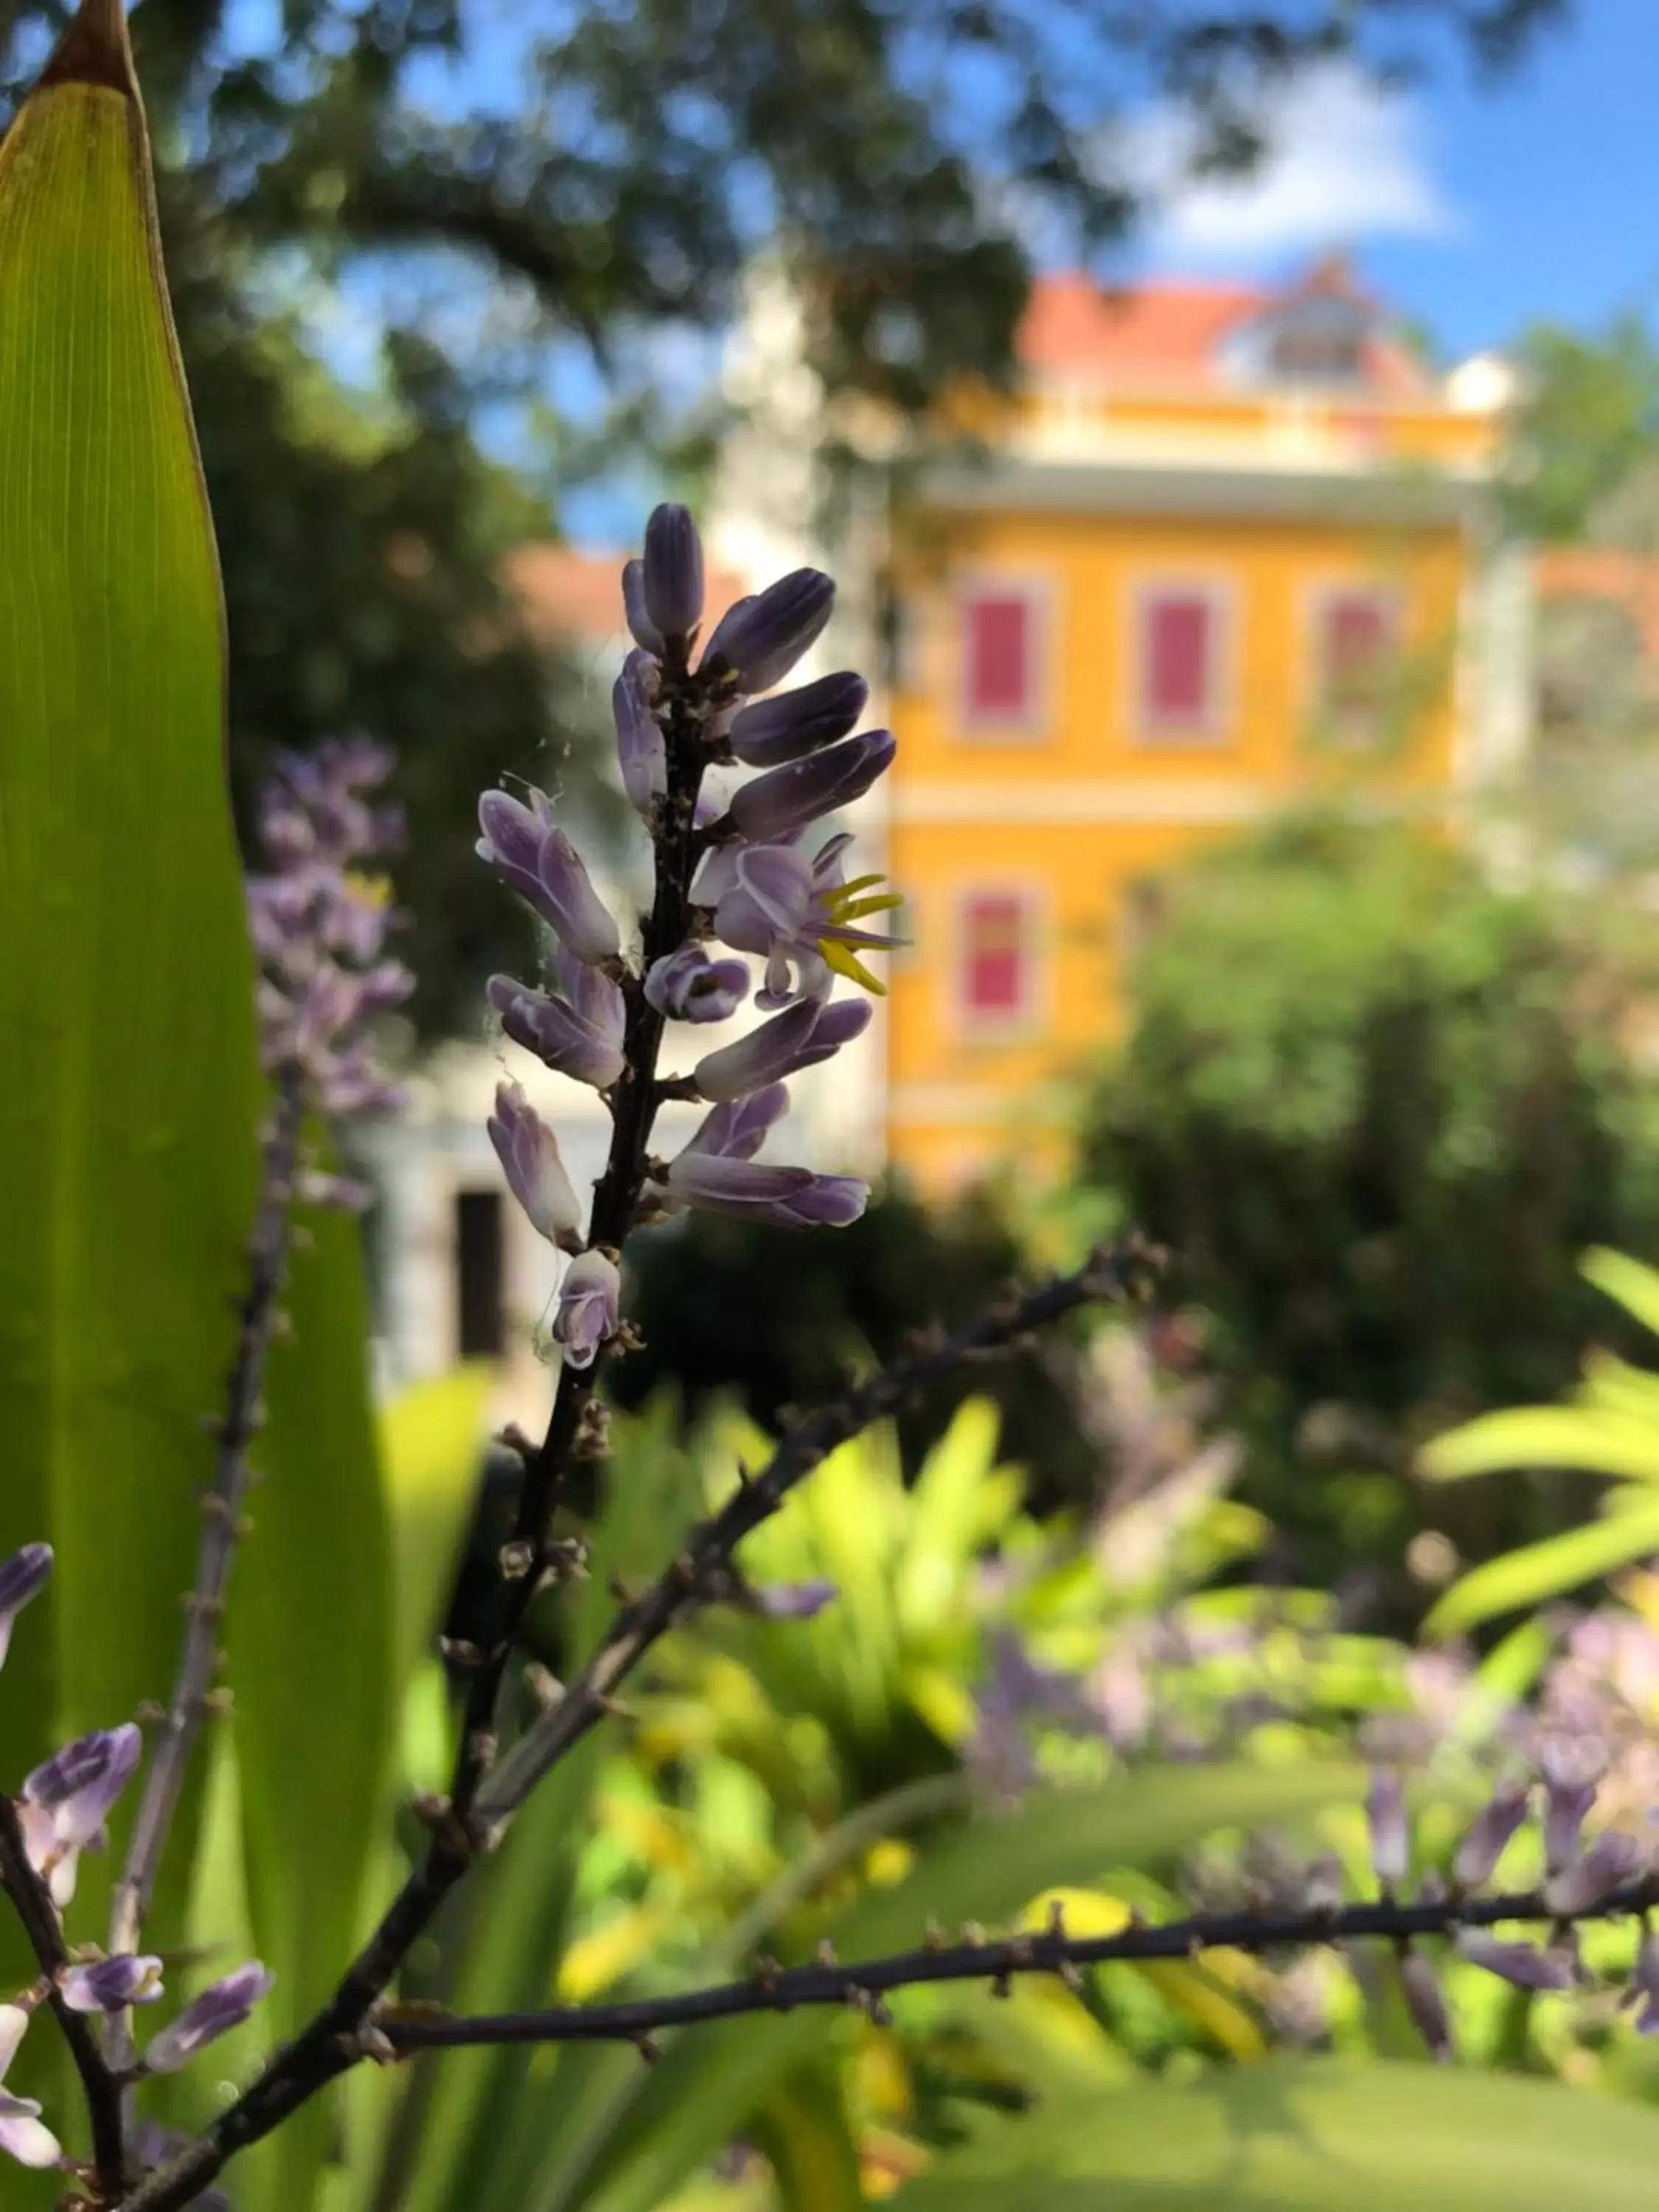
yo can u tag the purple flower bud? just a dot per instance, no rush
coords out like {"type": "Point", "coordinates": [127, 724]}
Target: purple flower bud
{"type": "Point", "coordinates": [797, 723]}
{"type": "Point", "coordinates": [687, 986]}
{"type": "Point", "coordinates": [737, 1131]}
{"type": "Point", "coordinates": [1570, 1775]}
{"type": "Point", "coordinates": [67, 1799]}
{"type": "Point", "coordinates": [110, 1985]}
{"type": "Point", "coordinates": [761, 638]}
{"type": "Point", "coordinates": [1522, 1964]}
{"type": "Point", "coordinates": [826, 1202]}
{"type": "Point", "coordinates": [671, 581]}
{"type": "Point", "coordinates": [794, 1600]}
{"type": "Point", "coordinates": [587, 1307]}
{"type": "Point", "coordinates": [529, 1154]}
{"type": "Point", "coordinates": [226, 2005]}
{"type": "Point", "coordinates": [800, 1036]}
{"type": "Point", "coordinates": [1425, 2004]}
{"type": "Point", "coordinates": [1483, 1847]}
{"type": "Point", "coordinates": [641, 754]}
{"type": "Point", "coordinates": [589, 1052]}
{"type": "Point", "coordinates": [1612, 1860]}
{"type": "Point", "coordinates": [645, 633]}
{"type": "Point", "coordinates": [1385, 1809]}
{"type": "Point", "coordinates": [1644, 1987]}
{"type": "Point", "coordinates": [541, 863]}
{"type": "Point", "coordinates": [785, 799]}
{"type": "Point", "coordinates": [23, 1576]}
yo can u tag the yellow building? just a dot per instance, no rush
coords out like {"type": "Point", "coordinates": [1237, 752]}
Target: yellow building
{"type": "Point", "coordinates": [1225, 544]}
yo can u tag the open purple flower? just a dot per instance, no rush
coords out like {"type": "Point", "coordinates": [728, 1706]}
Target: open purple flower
{"type": "Point", "coordinates": [226, 2005]}
{"type": "Point", "coordinates": [588, 1298]}
{"type": "Point", "coordinates": [687, 986]}
{"type": "Point", "coordinates": [23, 2136]}
{"type": "Point", "coordinates": [67, 1799]}
{"type": "Point", "coordinates": [799, 914]}
{"type": "Point", "coordinates": [804, 1034]}
{"type": "Point", "coordinates": [529, 1154]}
{"type": "Point", "coordinates": [23, 1576]}
{"type": "Point", "coordinates": [789, 799]}
{"type": "Point", "coordinates": [579, 1033]}
{"type": "Point", "coordinates": [110, 1985]}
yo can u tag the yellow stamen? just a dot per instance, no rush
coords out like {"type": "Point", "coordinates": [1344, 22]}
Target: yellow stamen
{"type": "Point", "coordinates": [842, 961]}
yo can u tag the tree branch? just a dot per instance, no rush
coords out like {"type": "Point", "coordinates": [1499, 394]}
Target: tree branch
{"type": "Point", "coordinates": [39, 1915]}
{"type": "Point", "coordinates": [859, 1985]}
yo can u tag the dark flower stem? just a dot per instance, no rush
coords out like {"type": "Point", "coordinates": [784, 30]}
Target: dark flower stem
{"type": "Point", "coordinates": [1048, 1951]}
{"type": "Point", "coordinates": [33, 1900]}
{"type": "Point", "coordinates": [221, 1514]}
{"type": "Point", "coordinates": [337, 2038]}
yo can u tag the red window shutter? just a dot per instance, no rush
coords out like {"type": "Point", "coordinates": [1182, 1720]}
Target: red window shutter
{"type": "Point", "coordinates": [1178, 651]}
{"type": "Point", "coordinates": [1356, 637]}
{"type": "Point", "coordinates": [999, 656]}
{"type": "Point", "coordinates": [994, 955]}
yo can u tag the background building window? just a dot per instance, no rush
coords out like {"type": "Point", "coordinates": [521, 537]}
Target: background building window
{"type": "Point", "coordinates": [1180, 649]}
{"type": "Point", "coordinates": [1355, 644]}
{"type": "Point", "coordinates": [996, 956]}
{"type": "Point", "coordinates": [480, 1329]}
{"type": "Point", "coordinates": [1002, 656]}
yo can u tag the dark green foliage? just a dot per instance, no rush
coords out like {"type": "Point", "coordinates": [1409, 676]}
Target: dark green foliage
{"type": "Point", "coordinates": [1590, 422]}
{"type": "Point", "coordinates": [1378, 1109]}
{"type": "Point", "coordinates": [772, 1317]}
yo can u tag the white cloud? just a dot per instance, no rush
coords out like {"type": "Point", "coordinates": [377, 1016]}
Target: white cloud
{"type": "Point", "coordinates": [1346, 160]}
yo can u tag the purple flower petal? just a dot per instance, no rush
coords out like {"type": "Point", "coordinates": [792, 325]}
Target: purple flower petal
{"type": "Point", "coordinates": [795, 1601]}
{"type": "Point", "coordinates": [110, 1985]}
{"type": "Point", "coordinates": [792, 796]}
{"type": "Point", "coordinates": [645, 633]}
{"type": "Point", "coordinates": [671, 572]}
{"type": "Point", "coordinates": [1385, 1809]}
{"type": "Point", "coordinates": [529, 1154]}
{"type": "Point", "coordinates": [687, 986]}
{"type": "Point", "coordinates": [1483, 1847]}
{"type": "Point", "coordinates": [1523, 1966]}
{"type": "Point", "coordinates": [226, 2005]}
{"type": "Point", "coordinates": [641, 754]}
{"type": "Point", "coordinates": [558, 1034]}
{"type": "Point", "coordinates": [23, 1576]}
{"type": "Point", "coordinates": [587, 1311]}
{"type": "Point", "coordinates": [796, 723]}
{"type": "Point", "coordinates": [760, 640]}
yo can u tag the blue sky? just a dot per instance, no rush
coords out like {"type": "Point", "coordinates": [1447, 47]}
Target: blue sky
{"type": "Point", "coordinates": [1474, 205]}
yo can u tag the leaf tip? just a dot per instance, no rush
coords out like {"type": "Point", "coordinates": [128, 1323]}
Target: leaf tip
{"type": "Point", "coordinates": [95, 50]}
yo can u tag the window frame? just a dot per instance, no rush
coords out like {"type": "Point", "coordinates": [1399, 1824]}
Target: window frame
{"type": "Point", "coordinates": [1216, 726]}
{"type": "Point", "coordinates": [1030, 1016]}
{"type": "Point", "coordinates": [1033, 724]}
{"type": "Point", "coordinates": [1322, 717]}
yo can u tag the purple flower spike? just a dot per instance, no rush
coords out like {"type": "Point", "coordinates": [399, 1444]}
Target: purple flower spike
{"type": "Point", "coordinates": [797, 723]}
{"type": "Point", "coordinates": [23, 1576]}
{"type": "Point", "coordinates": [1483, 1847]}
{"type": "Point", "coordinates": [67, 1799]}
{"type": "Point", "coordinates": [687, 986]}
{"type": "Point", "coordinates": [800, 1036]}
{"type": "Point", "coordinates": [529, 1154]}
{"type": "Point", "coordinates": [786, 799]}
{"type": "Point", "coordinates": [588, 1300]}
{"type": "Point", "coordinates": [644, 631]}
{"type": "Point", "coordinates": [641, 754]}
{"type": "Point", "coordinates": [1426, 2006]}
{"type": "Point", "coordinates": [560, 1034]}
{"type": "Point", "coordinates": [110, 1985]}
{"type": "Point", "coordinates": [1523, 1966]}
{"type": "Point", "coordinates": [795, 1601]}
{"type": "Point", "coordinates": [761, 638]}
{"type": "Point", "coordinates": [226, 2005]}
{"type": "Point", "coordinates": [671, 578]}
{"type": "Point", "coordinates": [1385, 1809]}
{"type": "Point", "coordinates": [1612, 1860]}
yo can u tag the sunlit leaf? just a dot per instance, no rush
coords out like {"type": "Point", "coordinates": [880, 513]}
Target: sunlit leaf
{"type": "Point", "coordinates": [1628, 1282]}
{"type": "Point", "coordinates": [1535, 1572]}
{"type": "Point", "coordinates": [1598, 1441]}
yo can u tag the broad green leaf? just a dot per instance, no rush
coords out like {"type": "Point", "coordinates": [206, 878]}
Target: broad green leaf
{"type": "Point", "coordinates": [1310, 2136]}
{"type": "Point", "coordinates": [309, 1636]}
{"type": "Point", "coordinates": [1628, 1282]}
{"type": "Point", "coordinates": [127, 1025]}
{"type": "Point", "coordinates": [944, 1524]}
{"type": "Point", "coordinates": [431, 1446]}
{"type": "Point", "coordinates": [805, 2134]}
{"type": "Point", "coordinates": [1544, 1570]}
{"type": "Point", "coordinates": [1600, 1442]}
{"type": "Point", "coordinates": [703, 2088]}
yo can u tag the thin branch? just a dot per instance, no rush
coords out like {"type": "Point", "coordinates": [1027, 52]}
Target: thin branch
{"type": "Point", "coordinates": [39, 1915]}
{"type": "Point", "coordinates": [336, 2040]}
{"type": "Point", "coordinates": [703, 1568]}
{"type": "Point", "coordinates": [222, 1513]}
{"type": "Point", "coordinates": [857, 1984]}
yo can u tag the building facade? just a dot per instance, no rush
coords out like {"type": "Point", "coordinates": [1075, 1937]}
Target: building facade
{"type": "Point", "coordinates": [1224, 549]}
